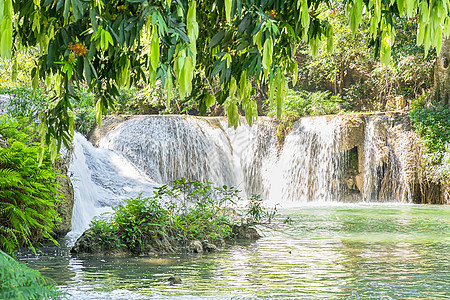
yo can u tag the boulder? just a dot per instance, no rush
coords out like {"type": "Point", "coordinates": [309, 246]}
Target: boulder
{"type": "Point", "coordinates": [174, 279]}
{"type": "Point", "coordinates": [194, 246]}
{"type": "Point", "coordinates": [245, 232]}
{"type": "Point", "coordinates": [208, 247]}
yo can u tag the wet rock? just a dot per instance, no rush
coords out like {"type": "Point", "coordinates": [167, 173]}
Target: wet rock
{"type": "Point", "coordinates": [208, 247]}
{"type": "Point", "coordinates": [352, 132]}
{"type": "Point", "coordinates": [359, 179]}
{"type": "Point", "coordinates": [245, 232]}
{"type": "Point", "coordinates": [2, 142]}
{"type": "Point", "coordinates": [194, 246]}
{"type": "Point", "coordinates": [174, 279]}
{"type": "Point", "coordinates": [109, 123]}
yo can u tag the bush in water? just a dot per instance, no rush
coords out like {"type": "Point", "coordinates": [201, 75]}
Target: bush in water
{"type": "Point", "coordinates": [189, 210]}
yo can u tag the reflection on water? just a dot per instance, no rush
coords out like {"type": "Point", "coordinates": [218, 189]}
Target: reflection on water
{"type": "Point", "coordinates": [342, 251]}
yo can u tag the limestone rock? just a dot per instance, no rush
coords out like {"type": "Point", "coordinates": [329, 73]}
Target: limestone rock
{"type": "Point", "coordinates": [359, 180]}
{"type": "Point", "coordinates": [2, 142]}
{"type": "Point", "coordinates": [208, 247]}
{"type": "Point", "coordinates": [174, 279]}
{"type": "Point", "coordinates": [108, 124]}
{"type": "Point", "coordinates": [352, 132]}
{"type": "Point", "coordinates": [194, 246]}
{"type": "Point", "coordinates": [245, 232]}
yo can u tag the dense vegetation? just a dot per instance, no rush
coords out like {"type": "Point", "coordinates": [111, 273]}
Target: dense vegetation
{"type": "Point", "coordinates": [17, 281]}
{"type": "Point", "coordinates": [433, 125]}
{"type": "Point", "coordinates": [213, 51]}
{"type": "Point", "coordinates": [27, 187]}
{"type": "Point", "coordinates": [176, 215]}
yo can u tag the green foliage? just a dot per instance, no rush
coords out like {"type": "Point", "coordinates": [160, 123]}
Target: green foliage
{"type": "Point", "coordinates": [186, 211]}
{"type": "Point", "coordinates": [27, 189]}
{"type": "Point", "coordinates": [283, 129]}
{"type": "Point", "coordinates": [24, 102]}
{"type": "Point", "coordinates": [433, 126]}
{"type": "Point", "coordinates": [219, 48]}
{"type": "Point", "coordinates": [353, 72]}
{"type": "Point", "coordinates": [257, 213]}
{"type": "Point", "coordinates": [84, 111]}
{"type": "Point", "coordinates": [302, 103]}
{"type": "Point", "coordinates": [17, 281]}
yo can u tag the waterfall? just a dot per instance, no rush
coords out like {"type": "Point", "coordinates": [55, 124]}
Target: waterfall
{"type": "Point", "coordinates": [255, 149]}
{"type": "Point", "coordinates": [389, 160]}
{"type": "Point", "coordinates": [310, 165]}
{"type": "Point", "coordinates": [371, 162]}
{"type": "Point", "coordinates": [170, 147]}
{"type": "Point", "coordinates": [101, 179]}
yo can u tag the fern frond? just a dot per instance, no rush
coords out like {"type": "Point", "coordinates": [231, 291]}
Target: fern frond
{"type": "Point", "coordinates": [17, 281]}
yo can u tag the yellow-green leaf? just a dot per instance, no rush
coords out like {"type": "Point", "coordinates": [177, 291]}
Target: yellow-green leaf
{"type": "Point", "coordinates": [154, 48]}
{"type": "Point", "coordinates": [267, 53]}
{"type": "Point", "coordinates": [99, 113]}
{"type": "Point", "coordinates": [228, 4]}
{"type": "Point", "coordinates": [294, 73]}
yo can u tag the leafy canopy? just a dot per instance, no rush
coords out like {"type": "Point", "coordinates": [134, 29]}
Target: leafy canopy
{"type": "Point", "coordinates": [212, 50]}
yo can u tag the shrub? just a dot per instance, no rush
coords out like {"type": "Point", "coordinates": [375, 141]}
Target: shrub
{"type": "Point", "coordinates": [24, 102]}
{"type": "Point", "coordinates": [303, 103]}
{"type": "Point", "coordinates": [27, 190]}
{"type": "Point", "coordinates": [17, 281]}
{"type": "Point", "coordinates": [186, 211]}
{"type": "Point", "coordinates": [433, 125]}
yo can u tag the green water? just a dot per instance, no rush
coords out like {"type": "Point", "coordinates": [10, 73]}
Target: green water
{"type": "Point", "coordinates": [327, 252]}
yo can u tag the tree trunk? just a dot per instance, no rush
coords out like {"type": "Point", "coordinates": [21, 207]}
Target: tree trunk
{"type": "Point", "coordinates": [441, 89]}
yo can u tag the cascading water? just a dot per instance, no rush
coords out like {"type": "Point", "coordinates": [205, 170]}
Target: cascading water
{"type": "Point", "coordinates": [309, 166]}
{"type": "Point", "coordinates": [255, 149]}
{"type": "Point", "coordinates": [388, 161]}
{"type": "Point", "coordinates": [170, 147]}
{"type": "Point", "coordinates": [101, 179]}
{"type": "Point", "coordinates": [371, 162]}
{"type": "Point", "coordinates": [305, 168]}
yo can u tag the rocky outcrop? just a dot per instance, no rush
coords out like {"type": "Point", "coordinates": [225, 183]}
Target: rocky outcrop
{"type": "Point", "coordinates": [386, 160]}
{"type": "Point", "coordinates": [64, 206]}
{"type": "Point", "coordinates": [93, 243]}
{"type": "Point", "coordinates": [109, 123]}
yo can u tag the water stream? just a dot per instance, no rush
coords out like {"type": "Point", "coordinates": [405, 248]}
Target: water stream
{"type": "Point", "coordinates": [333, 251]}
{"type": "Point", "coordinates": [330, 250]}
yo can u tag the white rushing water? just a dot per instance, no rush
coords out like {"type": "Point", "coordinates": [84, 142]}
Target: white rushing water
{"type": "Point", "coordinates": [309, 163]}
{"type": "Point", "coordinates": [170, 147]}
{"type": "Point", "coordinates": [146, 151]}
{"type": "Point", "coordinates": [371, 162]}
{"type": "Point", "coordinates": [101, 179]}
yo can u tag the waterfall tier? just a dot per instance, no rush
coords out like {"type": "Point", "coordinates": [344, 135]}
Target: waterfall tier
{"type": "Point", "coordinates": [330, 158]}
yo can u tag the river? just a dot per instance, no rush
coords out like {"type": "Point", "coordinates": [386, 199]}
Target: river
{"type": "Point", "coordinates": [332, 251]}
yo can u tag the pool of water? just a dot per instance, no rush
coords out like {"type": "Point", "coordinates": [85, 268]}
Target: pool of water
{"type": "Point", "coordinates": [346, 251]}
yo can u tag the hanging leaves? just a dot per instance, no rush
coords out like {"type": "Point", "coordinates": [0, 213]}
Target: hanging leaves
{"type": "Point", "coordinates": [6, 29]}
{"type": "Point", "coordinates": [190, 44]}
